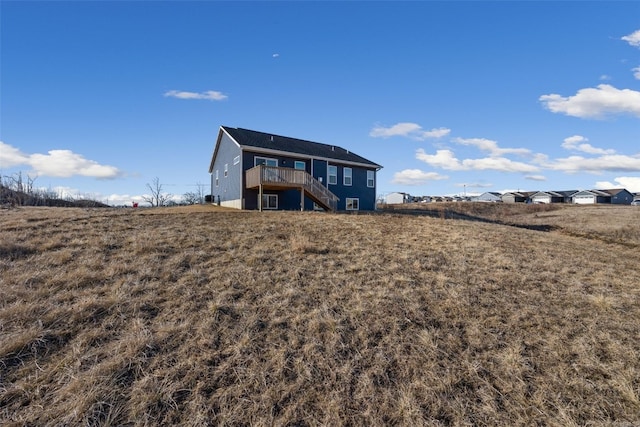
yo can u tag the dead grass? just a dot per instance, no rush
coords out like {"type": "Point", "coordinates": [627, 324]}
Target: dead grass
{"type": "Point", "coordinates": [606, 223]}
{"type": "Point", "coordinates": [215, 317]}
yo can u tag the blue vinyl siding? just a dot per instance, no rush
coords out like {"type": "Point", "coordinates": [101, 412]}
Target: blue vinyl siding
{"type": "Point", "coordinates": [290, 199]}
{"type": "Point", "coordinates": [358, 188]}
{"type": "Point", "coordinates": [622, 198]}
{"type": "Point", "coordinates": [229, 187]}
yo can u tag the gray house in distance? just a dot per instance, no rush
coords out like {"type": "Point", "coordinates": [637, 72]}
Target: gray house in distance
{"type": "Point", "coordinates": [489, 196]}
{"type": "Point", "coordinates": [620, 196]}
{"type": "Point", "coordinates": [258, 170]}
{"type": "Point", "coordinates": [518, 196]}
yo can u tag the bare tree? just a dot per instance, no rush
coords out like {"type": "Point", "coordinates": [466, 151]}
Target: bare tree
{"type": "Point", "coordinates": [194, 197]}
{"type": "Point", "coordinates": [157, 197]}
{"type": "Point", "coordinates": [200, 187]}
{"type": "Point", "coordinates": [190, 198]}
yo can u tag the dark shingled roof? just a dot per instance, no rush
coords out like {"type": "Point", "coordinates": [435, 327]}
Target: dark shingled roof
{"type": "Point", "coordinates": [251, 138]}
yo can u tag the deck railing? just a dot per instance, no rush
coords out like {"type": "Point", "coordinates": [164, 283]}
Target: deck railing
{"type": "Point", "coordinates": [273, 176]}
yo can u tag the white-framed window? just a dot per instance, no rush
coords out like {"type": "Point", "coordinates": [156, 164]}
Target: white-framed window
{"type": "Point", "coordinates": [217, 177]}
{"type": "Point", "coordinates": [332, 172]}
{"type": "Point", "coordinates": [300, 165]}
{"type": "Point", "coordinates": [236, 160]}
{"type": "Point", "coordinates": [226, 169]}
{"type": "Point", "coordinates": [347, 176]}
{"type": "Point", "coordinates": [353, 204]}
{"type": "Point", "coordinates": [371, 179]}
{"type": "Point", "coordinates": [265, 161]}
{"type": "Point", "coordinates": [269, 201]}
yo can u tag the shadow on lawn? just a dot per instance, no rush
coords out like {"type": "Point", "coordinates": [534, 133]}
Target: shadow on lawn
{"type": "Point", "coordinates": [450, 214]}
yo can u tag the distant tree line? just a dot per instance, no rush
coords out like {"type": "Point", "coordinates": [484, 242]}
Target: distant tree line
{"type": "Point", "coordinates": [20, 190]}
{"type": "Point", "coordinates": [158, 197]}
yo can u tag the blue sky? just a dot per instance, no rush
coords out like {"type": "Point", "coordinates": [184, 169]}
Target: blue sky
{"type": "Point", "coordinates": [98, 98]}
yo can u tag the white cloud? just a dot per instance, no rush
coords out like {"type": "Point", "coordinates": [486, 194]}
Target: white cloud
{"type": "Point", "coordinates": [409, 130]}
{"type": "Point", "coordinates": [631, 183]}
{"type": "Point", "coordinates": [636, 72]}
{"type": "Point", "coordinates": [633, 39]}
{"type": "Point", "coordinates": [11, 156]}
{"type": "Point", "coordinates": [596, 102]}
{"type": "Point", "coordinates": [445, 159]}
{"type": "Point", "coordinates": [57, 163]}
{"type": "Point", "coordinates": [605, 77]}
{"type": "Point", "coordinates": [211, 95]}
{"type": "Point", "coordinates": [276, 55]}
{"type": "Point", "coordinates": [578, 143]}
{"type": "Point", "coordinates": [491, 146]}
{"type": "Point", "coordinates": [609, 162]}
{"type": "Point", "coordinates": [535, 177]}
{"type": "Point", "coordinates": [416, 177]}
{"type": "Point", "coordinates": [501, 164]}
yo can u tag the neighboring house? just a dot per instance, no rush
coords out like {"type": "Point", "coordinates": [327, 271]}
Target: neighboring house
{"type": "Point", "coordinates": [489, 196]}
{"type": "Point", "coordinates": [587, 197]}
{"type": "Point", "coordinates": [397, 198]}
{"type": "Point", "coordinates": [257, 170]}
{"type": "Point", "coordinates": [620, 196]}
{"type": "Point", "coordinates": [567, 196]}
{"type": "Point", "coordinates": [547, 197]}
{"type": "Point", "coordinates": [553, 196]}
{"type": "Point", "coordinates": [517, 197]}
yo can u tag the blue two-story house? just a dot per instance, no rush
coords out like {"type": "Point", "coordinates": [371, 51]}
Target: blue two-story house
{"type": "Point", "coordinates": [258, 170]}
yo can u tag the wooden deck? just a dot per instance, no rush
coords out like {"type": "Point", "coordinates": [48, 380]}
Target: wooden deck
{"type": "Point", "coordinates": [276, 178]}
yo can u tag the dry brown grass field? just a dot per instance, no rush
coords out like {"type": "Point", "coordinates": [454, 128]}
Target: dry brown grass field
{"type": "Point", "coordinates": [202, 316]}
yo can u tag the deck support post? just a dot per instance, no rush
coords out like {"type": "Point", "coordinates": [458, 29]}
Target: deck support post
{"type": "Point", "coordinates": [301, 199]}
{"type": "Point", "coordinates": [260, 198]}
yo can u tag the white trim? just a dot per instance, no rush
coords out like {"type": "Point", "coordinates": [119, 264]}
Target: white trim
{"type": "Point", "coordinates": [373, 173]}
{"type": "Point", "coordinates": [229, 135]}
{"type": "Point", "coordinates": [217, 146]}
{"type": "Point", "coordinates": [264, 158]}
{"type": "Point", "coordinates": [344, 177]}
{"type": "Point", "coordinates": [260, 150]}
{"type": "Point", "coordinates": [226, 170]}
{"type": "Point", "coordinates": [236, 160]}
{"type": "Point", "coordinates": [329, 175]}
{"type": "Point", "coordinates": [346, 203]}
{"type": "Point", "coordinates": [304, 165]}
{"type": "Point", "coordinates": [217, 178]}
{"type": "Point", "coordinates": [266, 205]}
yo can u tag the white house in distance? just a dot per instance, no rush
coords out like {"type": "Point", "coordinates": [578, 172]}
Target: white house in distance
{"type": "Point", "coordinates": [589, 197]}
{"type": "Point", "coordinates": [397, 198]}
{"type": "Point", "coordinates": [617, 196]}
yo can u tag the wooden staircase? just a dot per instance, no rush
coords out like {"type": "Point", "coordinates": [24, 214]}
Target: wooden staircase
{"type": "Point", "coordinates": [276, 178]}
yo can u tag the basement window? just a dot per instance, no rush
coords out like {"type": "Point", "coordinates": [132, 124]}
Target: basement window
{"type": "Point", "coordinates": [353, 204]}
{"type": "Point", "coordinates": [269, 201]}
